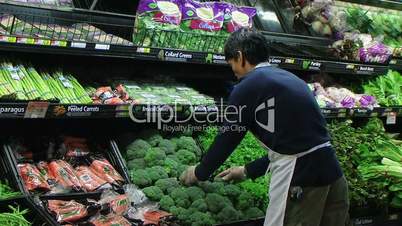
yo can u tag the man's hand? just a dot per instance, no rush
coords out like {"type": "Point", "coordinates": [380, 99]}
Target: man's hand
{"type": "Point", "coordinates": [188, 176]}
{"type": "Point", "coordinates": [237, 173]}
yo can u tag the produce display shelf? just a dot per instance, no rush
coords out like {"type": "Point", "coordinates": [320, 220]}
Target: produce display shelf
{"type": "Point", "coordinates": [390, 4]}
{"type": "Point", "coordinates": [396, 64]}
{"type": "Point", "coordinates": [37, 45]}
{"type": "Point", "coordinates": [45, 110]}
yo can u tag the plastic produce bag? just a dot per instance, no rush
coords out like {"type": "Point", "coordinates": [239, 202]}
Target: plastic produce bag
{"type": "Point", "coordinates": [64, 174]}
{"type": "Point", "coordinates": [67, 211]}
{"type": "Point", "coordinates": [375, 53]}
{"type": "Point", "coordinates": [119, 204]}
{"type": "Point", "coordinates": [75, 147]}
{"type": "Point", "coordinates": [89, 180]}
{"type": "Point", "coordinates": [135, 195]}
{"type": "Point", "coordinates": [205, 16]}
{"type": "Point", "coordinates": [105, 170]}
{"type": "Point", "coordinates": [237, 17]}
{"type": "Point", "coordinates": [31, 177]}
{"type": "Point", "coordinates": [167, 12]}
{"type": "Point", "coordinates": [109, 220]}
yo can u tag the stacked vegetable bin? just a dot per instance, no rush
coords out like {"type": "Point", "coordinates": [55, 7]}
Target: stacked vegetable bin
{"type": "Point", "coordinates": [104, 105]}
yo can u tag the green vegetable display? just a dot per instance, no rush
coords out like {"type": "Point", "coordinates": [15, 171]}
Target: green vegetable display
{"type": "Point", "coordinates": [248, 150]}
{"type": "Point", "coordinates": [25, 83]}
{"type": "Point", "coordinates": [7, 192]}
{"type": "Point", "coordinates": [387, 89]}
{"type": "Point", "coordinates": [14, 218]}
{"type": "Point", "coordinates": [164, 161]}
{"type": "Point", "coordinates": [385, 23]}
{"type": "Point", "coordinates": [166, 93]}
{"type": "Point", "coordinates": [357, 148]}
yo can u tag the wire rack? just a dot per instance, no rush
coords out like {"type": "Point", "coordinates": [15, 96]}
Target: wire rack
{"type": "Point", "coordinates": [83, 28]}
{"type": "Point", "coordinates": [42, 3]}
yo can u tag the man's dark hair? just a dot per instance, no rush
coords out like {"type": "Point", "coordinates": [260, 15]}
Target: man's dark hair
{"type": "Point", "coordinates": [251, 43]}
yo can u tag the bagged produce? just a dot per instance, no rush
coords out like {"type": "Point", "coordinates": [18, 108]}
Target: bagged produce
{"type": "Point", "coordinates": [31, 177]}
{"type": "Point", "coordinates": [119, 204]}
{"type": "Point", "coordinates": [75, 147]}
{"type": "Point", "coordinates": [237, 17]}
{"type": "Point", "coordinates": [109, 220]}
{"type": "Point", "coordinates": [67, 211]}
{"type": "Point", "coordinates": [375, 53]}
{"type": "Point", "coordinates": [64, 174]}
{"type": "Point", "coordinates": [165, 12]}
{"type": "Point", "coordinates": [105, 170]}
{"type": "Point", "coordinates": [204, 16]}
{"type": "Point", "coordinates": [89, 180]}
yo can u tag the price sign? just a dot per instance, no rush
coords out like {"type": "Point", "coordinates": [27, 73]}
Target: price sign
{"type": "Point", "coordinates": [102, 47]}
{"type": "Point", "coordinates": [391, 118]}
{"type": "Point", "coordinates": [143, 50]}
{"type": "Point", "coordinates": [80, 45]}
{"type": "Point", "coordinates": [36, 110]}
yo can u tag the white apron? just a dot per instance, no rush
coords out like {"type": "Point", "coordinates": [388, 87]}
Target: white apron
{"type": "Point", "coordinates": [282, 168]}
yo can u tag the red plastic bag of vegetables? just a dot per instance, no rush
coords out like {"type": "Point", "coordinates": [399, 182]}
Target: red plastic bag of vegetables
{"type": "Point", "coordinates": [32, 178]}
{"type": "Point", "coordinates": [89, 180]}
{"type": "Point", "coordinates": [64, 174]}
{"type": "Point", "coordinates": [105, 170]}
{"type": "Point", "coordinates": [67, 211]}
{"type": "Point", "coordinates": [110, 220]}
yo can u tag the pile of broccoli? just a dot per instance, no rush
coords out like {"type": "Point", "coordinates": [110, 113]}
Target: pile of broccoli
{"type": "Point", "coordinates": [155, 163]}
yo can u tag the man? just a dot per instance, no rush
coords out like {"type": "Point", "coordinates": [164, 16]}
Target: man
{"type": "Point", "coordinates": [307, 186]}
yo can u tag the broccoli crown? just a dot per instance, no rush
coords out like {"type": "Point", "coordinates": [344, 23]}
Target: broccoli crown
{"type": "Point", "coordinates": [186, 157]}
{"type": "Point", "coordinates": [140, 178]}
{"type": "Point", "coordinates": [137, 149]}
{"type": "Point", "coordinates": [195, 193]}
{"type": "Point", "coordinates": [244, 201]}
{"type": "Point", "coordinates": [253, 213]}
{"type": "Point", "coordinates": [228, 214]}
{"type": "Point", "coordinates": [213, 187]}
{"type": "Point", "coordinates": [171, 167]}
{"type": "Point", "coordinates": [231, 190]}
{"type": "Point", "coordinates": [157, 172]}
{"type": "Point", "coordinates": [154, 193]}
{"type": "Point", "coordinates": [216, 202]}
{"type": "Point", "coordinates": [199, 205]}
{"type": "Point", "coordinates": [166, 202]}
{"type": "Point", "coordinates": [184, 216]}
{"type": "Point", "coordinates": [168, 146]}
{"type": "Point", "coordinates": [154, 157]}
{"type": "Point", "coordinates": [167, 185]}
{"type": "Point", "coordinates": [185, 142]}
{"type": "Point", "coordinates": [201, 219]}
{"type": "Point", "coordinates": [154, 140]}
{"type": "Point", "coordinates": [176, 211]}
{"type": "Point", "coordinates": [136, 164]}
{"type": "Point", "coordinates": [189, 144]}
{"type": "Point", "coordinates": [180, 197]}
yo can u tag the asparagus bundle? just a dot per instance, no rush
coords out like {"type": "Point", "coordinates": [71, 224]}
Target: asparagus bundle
{"type": "Point", "coordinates": [40, 84]}
{"type": "Point", "coordinates": [6, 90]}
{"type": "Point", "coordinates": [15, 80]}
{"type": "Point", "coordinates": [31, 92]}
{"type": "Point", "coordinates": [80, 92]}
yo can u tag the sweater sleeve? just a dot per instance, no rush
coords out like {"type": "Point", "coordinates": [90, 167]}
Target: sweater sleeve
{"type": "Point", "coordinates": [257, 168]}
{"type": "Point", "coordinates": [235, 126]}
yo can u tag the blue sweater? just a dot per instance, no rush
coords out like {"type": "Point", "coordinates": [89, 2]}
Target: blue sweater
{"type": "Point", "coordinates": [281, 111]}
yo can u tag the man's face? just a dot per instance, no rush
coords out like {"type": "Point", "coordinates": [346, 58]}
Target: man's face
{"type": "Point", "coordinates": [237, 67]}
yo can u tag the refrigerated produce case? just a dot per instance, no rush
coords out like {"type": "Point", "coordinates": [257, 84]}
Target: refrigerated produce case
{"type": "Point", "coordinates": [95, 43]}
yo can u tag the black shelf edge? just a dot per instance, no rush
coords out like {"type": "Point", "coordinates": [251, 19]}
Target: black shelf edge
{"type": "Point", "coordinates": [43, 110]}
{"type": "Point", "coordinates": [396, 64]}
